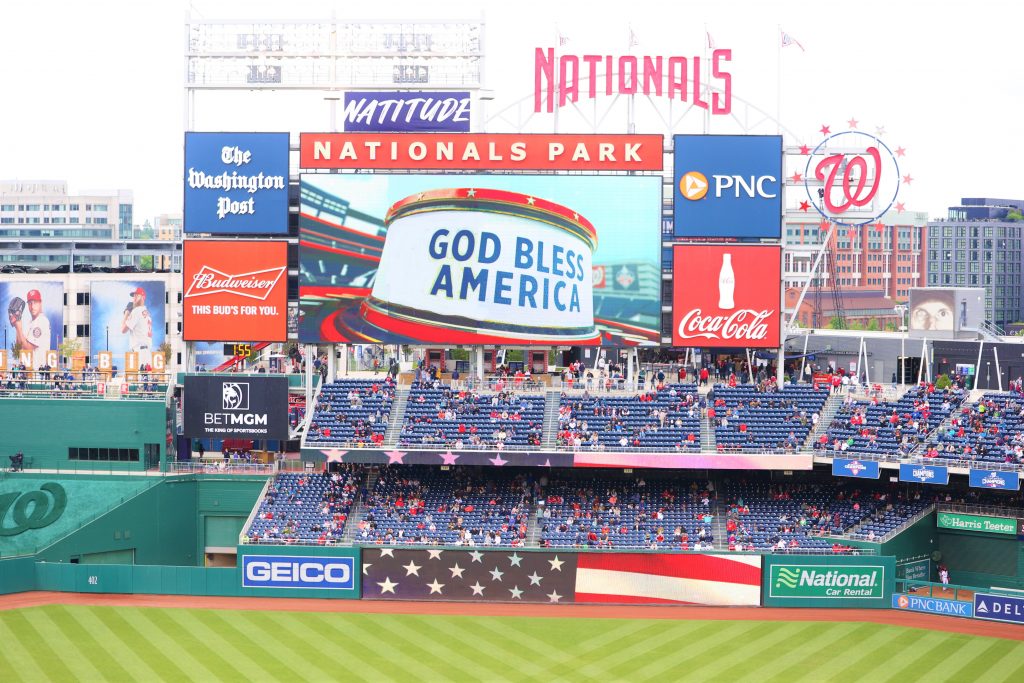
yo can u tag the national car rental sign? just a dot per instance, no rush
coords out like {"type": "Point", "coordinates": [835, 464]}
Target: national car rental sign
{"type": "Point", "coordinates": [726, 296]}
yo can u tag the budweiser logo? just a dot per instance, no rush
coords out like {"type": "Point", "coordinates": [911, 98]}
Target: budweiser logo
{"type": "Point", "coordinates": [255, 285]}
{"type": "Point", "coordinates": [744, 324]}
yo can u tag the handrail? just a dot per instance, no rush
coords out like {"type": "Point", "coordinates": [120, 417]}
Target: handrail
{"type": "Point", "coordinates": [994, 510]}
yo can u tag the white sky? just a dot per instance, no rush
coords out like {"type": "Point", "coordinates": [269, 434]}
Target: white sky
{"type": "Point", "coordinates": [92, 92]}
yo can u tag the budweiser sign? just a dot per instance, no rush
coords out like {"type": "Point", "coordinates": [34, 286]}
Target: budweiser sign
{"type": "Point", "coordinates": [743, 326]}
{"type": "Point", "coordinates": [255, 285]}
{"type": "Point", "coordinates": [726, 296]}
{"type": "Point", "coordinates": [235, 289]}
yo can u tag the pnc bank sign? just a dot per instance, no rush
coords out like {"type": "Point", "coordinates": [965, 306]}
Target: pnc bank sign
{"type": "Point", "coordinates": [728, 186]}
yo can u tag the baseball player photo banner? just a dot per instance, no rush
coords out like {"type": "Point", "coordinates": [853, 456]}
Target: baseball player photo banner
{"type": "Point", "coordinates": [35, 318]}
{"type": "Point", "coordinates": [127, 316]}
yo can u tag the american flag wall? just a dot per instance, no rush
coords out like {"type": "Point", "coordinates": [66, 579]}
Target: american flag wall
{"type": "Point", "coordinates": [469, 575]}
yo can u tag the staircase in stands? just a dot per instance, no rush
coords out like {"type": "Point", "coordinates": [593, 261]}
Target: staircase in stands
{"type": "Point", "coordinates": [397, 417]}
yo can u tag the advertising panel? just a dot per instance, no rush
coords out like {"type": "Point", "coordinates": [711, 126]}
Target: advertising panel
{"type": "Point", "coordinates": [236, 183]}
{"type": "Point", "coordinates": [728, 186]}
{"type": "Point", "coordinates": [395, 111]}
{"type": "Point", "coordinates": [924, 474]}
{"type": "Point", "coordinates": [241, 406]}
{"type": "Point", "coordinates": [235, 290]}
{"type": "Point", "coordinates": [482, 151]}
{"type": "Point", "coordinates": [726, 296]}
{"type": "Point", "coordinates": [519, 575]}
{"type": "Point", "coordinates": [209, 355]}
{"type": "Point", "coordinates": [127, 316]}
{"type": "Point", "coordinates": [932, 310]}
{"type": "Point", "coordinates": [860, 469]}
{"type": "Point", "coordinates": [920, 603]}
{"type": "Point", "coordinates": [983, 524]}
{"type": "Point", "coordinates": [478, 259]}
{"type": "Point", "coordinates": [999, 608]}
{"type": "Point", "coordinates": [35, 318]}
{"type": "Point", "coordinates": [831, 581]}
{"type": "Point", "coordinates": [990, 479]}
{"type": "Point", "coordinates": [299, 572]}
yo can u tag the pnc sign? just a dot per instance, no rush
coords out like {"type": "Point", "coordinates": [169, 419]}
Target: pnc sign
{"type": "Point", "coordinates": [728, 186]}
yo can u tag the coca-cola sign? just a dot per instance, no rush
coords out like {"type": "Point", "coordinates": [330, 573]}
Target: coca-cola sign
{"type": "Point", "coordinates": [235, 290]}
{"type": "Point", "coordinates": [255, 285]}
{"type": "Point", "coordinates": [726, 296]}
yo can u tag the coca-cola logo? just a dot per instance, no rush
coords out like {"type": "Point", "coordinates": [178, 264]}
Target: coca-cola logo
{"type": "Point", "coordinates": [257, 284]}
{"type": "Point", "coordinates": [745, 324]}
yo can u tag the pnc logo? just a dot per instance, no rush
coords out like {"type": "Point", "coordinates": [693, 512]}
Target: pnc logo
{"type": "Point", "coordinates": [32, 509]}
{"type": "Point", "coordinates": [903, 601]}
{"type": "Point", "coordinates": [693, 185]}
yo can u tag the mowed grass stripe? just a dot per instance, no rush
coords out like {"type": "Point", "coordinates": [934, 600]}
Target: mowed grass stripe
{"type": "Point", "coordinates": [474, 635]}
{"type": "Point", "coordinates": [1018, 673]}
{"type": "Point", "coordinates": [105, 657]}
{"type": "Point", "coordinates": [52, 664]}
{"type": "Point", "coordinates": [150, 651]}
{"type": "Point", "coordinates": [975, 668]}
{"type": "Point", "coordinates": [414, 655]}
{"type": "Point", "coordinates": [210, 658]}
{"type": "Point", "coordinates": [339, 629]}
{"type": "Point", "coordinates": [620, 640]}
{"type": "Point", "coordinates": [302, 648]}
{"type": "Point", "coordinates": [17, 655]}
{"type": "Point", "coordinates": [752, 633]}
{"type": "Point", "coordinates": [197, 624]}
{"type": "Point", "coordinates": [835, 640]}
{"type": "Point", "coordinates": [866, 661]}
{"type": "Point", "coordinates": [679, 643]}
{"type": "Point", "coordinates": [465, 660]}
{"type": "Point", "coordinates": [540, 650]}
{"type": "Point", "coordinates": [274, 660]}
{"type": "Point", "coordinates": [138, 668]}
{"type": "Point", "coordinates": [838, 662]}
{"type": "Point", "coordinates": [769, 653]}
{"type": "Point", "coordinates": [1007, 662]}
{"type": "Point", "coordinates": [147, 621]}
{"type": "Point", "coordinates": [945, 645]}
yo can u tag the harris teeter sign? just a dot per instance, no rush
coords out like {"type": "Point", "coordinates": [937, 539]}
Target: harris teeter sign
{"type": "Point", "coordinates": [983, 524]}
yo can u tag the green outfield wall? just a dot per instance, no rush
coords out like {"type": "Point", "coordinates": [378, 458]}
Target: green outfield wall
{"type": "Point", "coordinates": [103, 432]}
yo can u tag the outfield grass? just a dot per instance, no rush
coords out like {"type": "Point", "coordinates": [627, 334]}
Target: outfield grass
{"type": "Point", "coordinates": [65, 643]}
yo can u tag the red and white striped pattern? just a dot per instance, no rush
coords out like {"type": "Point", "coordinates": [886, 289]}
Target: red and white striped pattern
{"type": "Point", "coordinates": [693, 579]}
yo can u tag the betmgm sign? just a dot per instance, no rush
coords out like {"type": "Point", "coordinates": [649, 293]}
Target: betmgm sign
{"type": "Point", "coordinates": [225, 406]}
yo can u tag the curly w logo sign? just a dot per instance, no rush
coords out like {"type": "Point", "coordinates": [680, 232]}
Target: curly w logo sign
{"type": "Point", "coordinates": [21, 512]}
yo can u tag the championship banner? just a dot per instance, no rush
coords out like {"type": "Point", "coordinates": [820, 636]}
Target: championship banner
{"type": "Point", "coordinates": [481, 151]}
{"type": "Point", "coordinates": [235, 290]}
{"type": "Point", "coordinates": [859, 469]}
{"type": "Point", "coordinates": [127, 316]}
{"type": "Point", "coordinates": [726, 296]}
{"type": "Point", "coordinates": [991, 479]}
{"type": "Point", "coordinates": [924, 474]}
{"type": "Point", "coordinates": [480, 259]}
{"type": "Point", "coordinates": [34, 319]}
{"type": "Point", "coordinates": [244, 406]}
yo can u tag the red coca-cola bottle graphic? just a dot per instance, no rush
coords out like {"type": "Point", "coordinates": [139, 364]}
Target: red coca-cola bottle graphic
{"type": "Point", "coordinates": [726, 284]}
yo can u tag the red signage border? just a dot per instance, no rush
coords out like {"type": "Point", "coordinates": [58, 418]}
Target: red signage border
{"type": "Point", "coordinates": [481, 151]}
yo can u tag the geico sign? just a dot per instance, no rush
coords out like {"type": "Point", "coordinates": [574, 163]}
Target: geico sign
{"type": "Point", "coordinates": [298, 572]}
{"type": "Point", "coordinates": [250, 419]}
{"type": "Point", "coordinates": [750, 186]}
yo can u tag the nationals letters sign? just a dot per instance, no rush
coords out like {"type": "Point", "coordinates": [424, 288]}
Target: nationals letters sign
{"type": "Point", "coordinates": [726, 296]}
{"type": "Point", "coordinates": [235, 290]}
